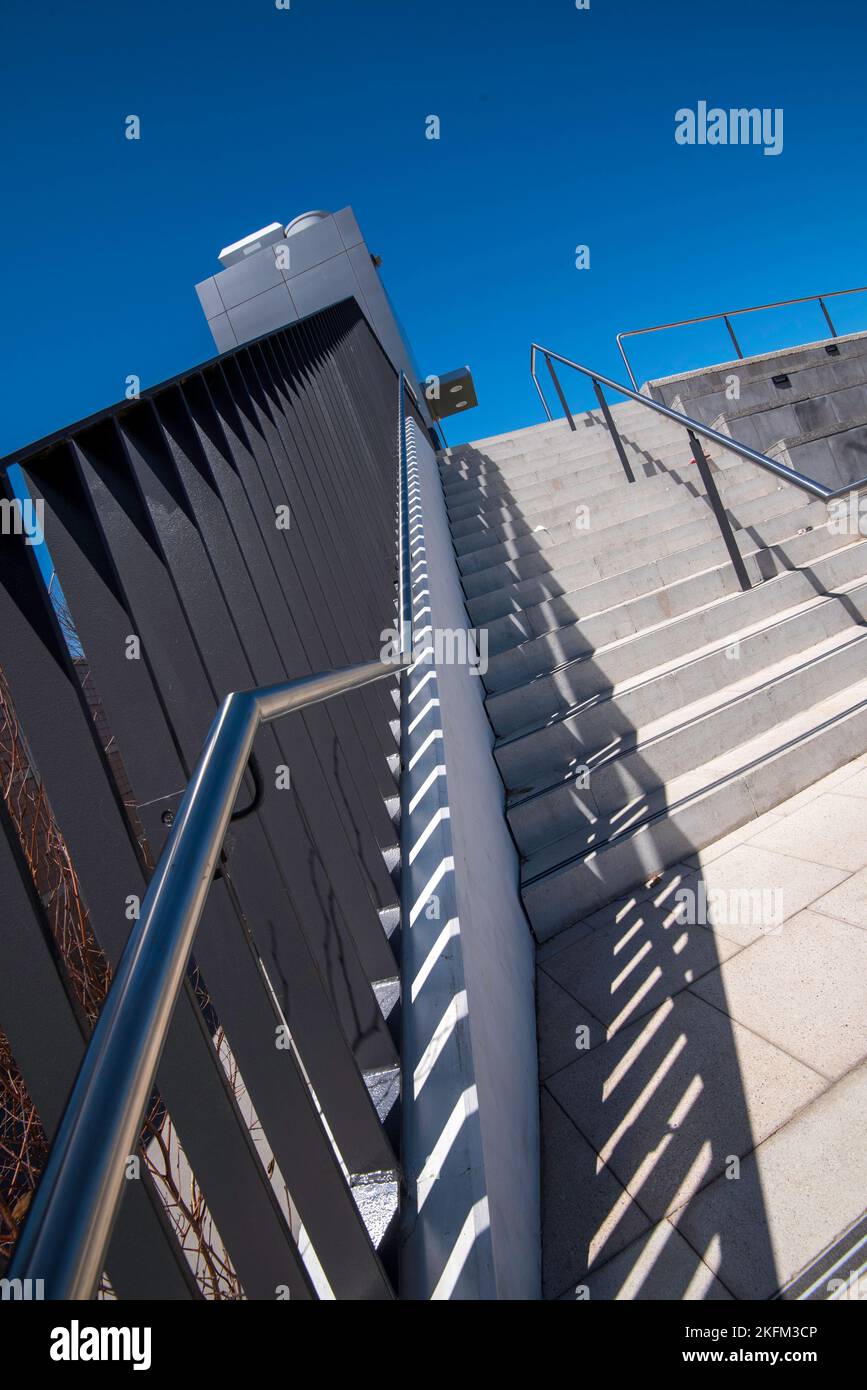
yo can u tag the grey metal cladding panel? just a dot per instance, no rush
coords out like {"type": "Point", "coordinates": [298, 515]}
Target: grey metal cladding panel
{"type": "Point", "coordinates": [258, 643]}
{"type": "Point", "coordinates": [139, 726]}
{"type": "Point", "coordinates": [209, 298]}
{"type": "Point", "coordinates": [320, 721]}
{"type": "Point", "coordinates": [223, 333]}
{"type": "Point", "coordinates": [144, 1259]}
{"type": "Point", "coordinates": [126, 689]}
{"type": "Point", "coordinates": [345, 512]}
{"type": "Point", "coordinates": [190, 1079]}
{"type": "Point", "coordinates": [359, 530]}
{"type": "Point", "coordinates": [249, 277]}
{"type": "Point", "coordinates": [298, 635]}
{"type": "Point", "coordinates": [324, 284]}
{"type": "Point", "coordinates": [365, 495]}
{"type": "Point", "coordinates": [217, 641]}
{"type": "Point", "coordinates": [147, 594]}
{"type": "Point", "coordinates": [311, 246]}
{"type": "Point", "coordinates": [301, 464]}
{"type": "Point", "coordinates": [301, 567]}
{"type": "Point", "coordinates": [332, 511]}
{"type": "Point", "coordinates": [273, 309]}
{"type": "Point", "coordinates": [329, 847]}
{"type": "Point", "coordinates": [146, 587]}
{"type": "Point", "coordinates": [381, 317]}
{"type": "Point", "coordinates": [350, 232]}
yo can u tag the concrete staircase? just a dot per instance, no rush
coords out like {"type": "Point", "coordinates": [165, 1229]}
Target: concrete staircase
{"type": "Point", "coordinates": [642, 705]}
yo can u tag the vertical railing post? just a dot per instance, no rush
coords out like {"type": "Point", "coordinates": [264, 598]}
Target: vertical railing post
{"type": "Point", "coordinates": [827, 317]}
{"type": "Point", "coordinates": [720, 513]}
{"type": "Point", "coordinates": [613, 431]}
{"type": "Point", "coordinates": [536, 382]}
{"type": "Point", "coordinates": [732, 335]}
{"type": "Point", "coordinates": [559, 391]}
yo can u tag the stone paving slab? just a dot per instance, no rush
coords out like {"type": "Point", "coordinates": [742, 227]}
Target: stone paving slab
{"type": "Point", "coordinates": [560, 1017]}
{"type": "Point", "coordinates": [635, 958]}
{"type": "Point", "coordinates": [813, 1178]}
{"type": "Point", "coordinates": [586, 1214]}
{"type": "Point", "coordinates": [804, 989]}
{"type": "Point", "coordinates": [847, 902]}
{"type": "Point", "coordinates": [659, 1265]}
{"type": "Point", "coordinates": [670, 1099]}
{"type": "Point", "coordinates": [823, 831]}
{"type": "Point", "coordinates": [730, 1035]}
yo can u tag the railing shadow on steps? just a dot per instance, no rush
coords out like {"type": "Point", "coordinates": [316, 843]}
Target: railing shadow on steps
{"type": "Point", "coordinates": [607, 1135]}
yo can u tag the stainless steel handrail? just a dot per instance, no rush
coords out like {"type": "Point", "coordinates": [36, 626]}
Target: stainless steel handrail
{"type": "Point", "coordinates": [66, 1235]}
{"type": "Point", "coordinates": [694, 429]}
{"type": "Point", "coordinates": [733, 313]}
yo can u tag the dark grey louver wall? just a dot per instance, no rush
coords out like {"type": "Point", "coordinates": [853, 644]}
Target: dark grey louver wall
{"type": "Point", "coordinates": [161, 519]}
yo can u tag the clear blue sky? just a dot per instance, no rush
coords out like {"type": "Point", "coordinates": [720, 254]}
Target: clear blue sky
{"type": "Point", "coordinates": [557, 129]}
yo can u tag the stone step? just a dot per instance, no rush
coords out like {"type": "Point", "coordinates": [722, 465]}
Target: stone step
{"type": "Point", "coordinates": [644, 568]}
{"type": "Point", "coordinates": [696, 809]}
{"type": "Point", "coordinates": [571, 818]}
{"type": "Point", "coordinates": [554, 437]}
{"type": "Point", "coordinates": [542, 756]}
{"type": "Point", "coordinates": [545, 574]}
{"type": "Point", "coordinates": [550, 696]}
{"type": "Point", "coordinates": [635, 515]}
{"type": "Point", "coordinates": [536, 641]}
{"type": "Point", "coordinates": [492, 476]}
{"type": "Point", "coordinates": [609, 479]}
{"type": "Point", "coordinates": [473, 500]}
{"type": "Point", "coordinates": [613, 502]}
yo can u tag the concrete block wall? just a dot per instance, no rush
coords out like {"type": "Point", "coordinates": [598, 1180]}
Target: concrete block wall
{"type": "Point", "coordinates": [806, 406]}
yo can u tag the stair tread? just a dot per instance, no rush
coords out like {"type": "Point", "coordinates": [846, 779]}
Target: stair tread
{"type": "Point", "coordinates": [643, 810]}
{"type": "Point", "coordinates": [523, 618]}
{"type": "Point", "coordinates": [644, 737]}
{"type": "Point", "coordinates": [650, 674]}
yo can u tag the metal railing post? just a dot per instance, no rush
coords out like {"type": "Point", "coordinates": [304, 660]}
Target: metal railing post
{"type": "Point", "coordinates": [732, 335]}
{"type": "Point", "coordinates": [613, 431]}
{"type": "Point", "coordinates": [559, 391]}
{"type": "Point", "coordinates": [536, 382]}
{"type": "Point", "coordinates": [626, 362]}
{"type": "Point", "coordinates": [729, 314]}
{"type": "Point", "coordinates": [720, 513]}
{"type": "Point", "coordinates": [827, 317]}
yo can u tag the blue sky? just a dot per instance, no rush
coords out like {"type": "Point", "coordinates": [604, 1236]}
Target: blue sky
{"type": "Point", "coordinates": [557, 128]}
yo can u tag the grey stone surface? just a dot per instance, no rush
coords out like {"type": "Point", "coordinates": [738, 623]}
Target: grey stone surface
{"type": "Point", "coordinates": [659, 1265]}
{"type": "Point", "coordinates": [809, 1178]}
{"type": "Point", "coordinates": [829, 831]}
{"type": "Point", "coordinates": [587, 1214]}
{"type": "Point", "coordinates": [637, 955]}
{"type": "Point", "coordinates": [566, 1028]}
{"type": "Point", "coordinates": [804, 988]}
{"type": "Point", "coordinates": [709, 720]}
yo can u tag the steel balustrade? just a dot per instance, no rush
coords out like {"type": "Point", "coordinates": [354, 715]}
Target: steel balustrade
{"type": "Point", "coordinates": [729, 314]}
{"type": "Point", "coordinates": [694, 429]}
